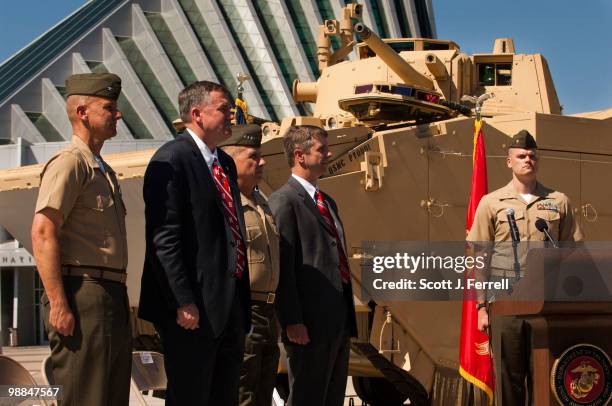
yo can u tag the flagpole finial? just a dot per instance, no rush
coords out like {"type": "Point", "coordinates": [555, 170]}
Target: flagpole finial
{"type": "Point", "coordinates": [241, 78]}
{"type": "Point", "coordinates": [477, 101]}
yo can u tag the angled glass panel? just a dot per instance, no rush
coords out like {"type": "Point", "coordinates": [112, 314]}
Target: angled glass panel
{"type": "Point", "coordinates": [149, 80]}
{"type": "Point", "coordinates": [304, 32]}
{"type": "Point", "coordinates": [61, 90]}
{"type": "Point", "coordinates": [38, 54]}
{"type": "Point", "coordinates": [254, 61]}
{"type": "Point", "coordinates": [423, 16]}
{"type": "Point", "coordinates": [274, 35]}
{"type": "Point", "coordinates": [45, 127]}
{"type": "Point", "coordinates": [379, 18]}
{"type": "Point", "coordinates": [130, 117]}
{"type": "Point", "coordinates": [165, 37]}
{"type": "Point", "coordinates": [207, 40]}
{"type": "Point", "coordinates": [402, 17]}
{"type": "Point", "coordinates": [326, 10]}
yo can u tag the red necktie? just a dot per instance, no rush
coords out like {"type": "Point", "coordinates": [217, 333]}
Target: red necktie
{"type": "Point", "coordinates": [345, 273]}
{"type": "Point", "coordinates": [229, 210]}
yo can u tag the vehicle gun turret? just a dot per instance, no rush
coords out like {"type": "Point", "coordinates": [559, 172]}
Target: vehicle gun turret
{"type": "Point", "coordinates": [402, 139]}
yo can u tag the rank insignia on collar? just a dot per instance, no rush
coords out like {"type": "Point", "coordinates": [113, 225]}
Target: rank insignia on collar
{"type": "Point", "coordinates": [547, 206]}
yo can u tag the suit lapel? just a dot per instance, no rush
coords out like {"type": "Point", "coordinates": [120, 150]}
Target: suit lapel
{"type": "Point", "coordinates": [334, 213]}
{"type": "Point", "coordinates": [309, 203]}
{"type": "Point", "coordinates": [208, 179]}
{"type": "Point", "coordinates": [333, 209]}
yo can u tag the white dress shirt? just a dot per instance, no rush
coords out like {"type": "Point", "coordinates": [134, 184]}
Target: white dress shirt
{"type": "Point", "coordinates": [209, 156]}
{"type": "Point", "coordinates": [309, 187]}
{"type": "Point", "coordinates": [312, 190]}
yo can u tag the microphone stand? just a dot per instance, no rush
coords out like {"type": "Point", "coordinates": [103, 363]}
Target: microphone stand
{"type": "Point", "coordinates": [550, 239]}
{"type": "Point", "coordinates": [514, 234]}
{"type": "Point", "coordinates": [517, 265]}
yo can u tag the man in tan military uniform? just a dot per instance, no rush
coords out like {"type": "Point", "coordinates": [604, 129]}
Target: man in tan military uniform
{"type": "Point", "coordinates": [260, 363]}
{"type": "Point", "coordinates": [80, 246]}
{"type": "Point", "coordinates": [530, 201]}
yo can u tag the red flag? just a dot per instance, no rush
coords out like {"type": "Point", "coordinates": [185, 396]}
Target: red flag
{"type": "Point", "coordinates": [474, 351]}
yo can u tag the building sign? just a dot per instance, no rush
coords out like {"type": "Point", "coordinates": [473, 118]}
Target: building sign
{"type": "Point", "coordinates": [16, 257]}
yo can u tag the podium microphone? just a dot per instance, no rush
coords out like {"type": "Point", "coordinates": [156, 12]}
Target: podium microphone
{"type": "Point", "coordinates": [543, 227]}
{"type": "Point", "coordinates": [516, 238]}
{"type": "Point", "coordinates": [514, 233]}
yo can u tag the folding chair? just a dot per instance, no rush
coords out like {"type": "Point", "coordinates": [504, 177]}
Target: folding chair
{"type": "Point", "coordinates": [14, 374]}
{"type": "Point", "coordinates": [148, 373]}
{"type": "Point", "coordinates": [46, 371]}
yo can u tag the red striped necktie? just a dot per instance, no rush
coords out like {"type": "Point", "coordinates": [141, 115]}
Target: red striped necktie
{"type": "Point", "coordinates": [229, 210]}
{"type": "Point", "coordinates": [345, 273]}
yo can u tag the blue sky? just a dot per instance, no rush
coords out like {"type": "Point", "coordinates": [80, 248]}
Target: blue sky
{"type": "Point", "coordinates": [575, 37]}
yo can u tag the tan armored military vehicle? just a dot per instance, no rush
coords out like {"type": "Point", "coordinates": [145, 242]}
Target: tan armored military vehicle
{"type": "Point", "coordinates": [402, 144]}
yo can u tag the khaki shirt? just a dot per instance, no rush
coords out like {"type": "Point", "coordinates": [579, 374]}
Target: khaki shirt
{"type": "Point", "coordinates": [262, 243]}
{"type": "Point", "coordinates": [491, 222]}
{"type": "Point", "coordinates": [91, 205]}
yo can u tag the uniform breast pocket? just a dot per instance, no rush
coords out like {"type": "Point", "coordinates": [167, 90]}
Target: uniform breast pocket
{"type": "Point", "coordinates": [103, 202]}
{"type": "Point", "coordinates": [553, 219]}
{"type": "Point", "coordinates": [95, 202]}
{"type": "Point", "coordinates": [255, 245]}
{"type": "Point", "coordinates": [502, 232]}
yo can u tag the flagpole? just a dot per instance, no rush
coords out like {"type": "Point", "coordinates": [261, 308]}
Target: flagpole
{"type": "Point", "coordinates": [241, 110]}
{"type": "Point", "coordinates": [475, 345]}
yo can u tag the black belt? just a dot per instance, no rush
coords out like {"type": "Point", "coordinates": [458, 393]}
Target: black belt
{"type": "Point", "coordinates": [107, 274]}
{"type": "Point", "coordinates": [267, 297]}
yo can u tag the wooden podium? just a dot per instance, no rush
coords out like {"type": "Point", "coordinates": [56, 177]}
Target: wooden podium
{"type": "Point", "coordinates": [565, 298]}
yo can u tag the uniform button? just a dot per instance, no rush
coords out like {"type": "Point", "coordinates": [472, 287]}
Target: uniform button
{"type": "Point", "coordinates": [233, 244]}
{"type": "Point", "coordinates": [333, 243]}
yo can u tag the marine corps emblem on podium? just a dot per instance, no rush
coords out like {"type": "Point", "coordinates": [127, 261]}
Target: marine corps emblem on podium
{"type": "Point", "coordinates": [582, 375]}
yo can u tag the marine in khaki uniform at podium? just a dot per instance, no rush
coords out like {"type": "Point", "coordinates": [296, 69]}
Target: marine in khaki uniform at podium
{"type": "Point", "coordinates": [79, 242]}
{"type": "Point", "coordinates": [260, 363]}
{"type": "Point", "coordinates": [530, 201]}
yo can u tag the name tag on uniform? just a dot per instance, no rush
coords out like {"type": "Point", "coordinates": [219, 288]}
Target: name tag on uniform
{"type": "Point", "coordinates": [547, 206]}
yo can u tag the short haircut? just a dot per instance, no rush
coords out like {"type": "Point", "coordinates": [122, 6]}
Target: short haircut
{"type": "Point", "coordinates": [302, 137]}
{"type": "Point", "coordinates": [74, 101]}
{"type": "Point", "coordinates": [197, 94]}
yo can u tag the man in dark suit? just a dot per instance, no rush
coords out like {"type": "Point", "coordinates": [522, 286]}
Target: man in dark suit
{"type": "Point", "coordinates": [195, 283]}
{"type": "Point", "coordinates": [315, 298]}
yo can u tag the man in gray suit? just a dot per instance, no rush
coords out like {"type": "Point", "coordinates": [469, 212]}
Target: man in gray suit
{"type": "Point", "coordinates": [315, 298]}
